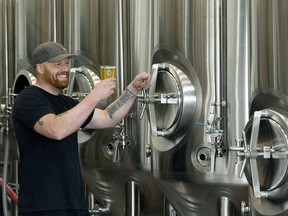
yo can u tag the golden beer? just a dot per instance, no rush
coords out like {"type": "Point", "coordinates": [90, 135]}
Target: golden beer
{"type": "Point", "coordinates": [107, 71]}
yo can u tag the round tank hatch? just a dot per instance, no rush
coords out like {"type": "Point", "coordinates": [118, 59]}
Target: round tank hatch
{"type": "Point", "coordinates": [172, 100]}
{"type": "Point", "coordinates": [82, 80]}
{"type": "Point", "coordinates": [167, 113]}
{"type": "Point", "coordinates": [23, 79]}
{"type": "Point", "coordinates": [267, 164]}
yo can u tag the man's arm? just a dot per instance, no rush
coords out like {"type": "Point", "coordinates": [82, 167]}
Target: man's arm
{"type": "Point", "coordinates": [116, 111]}
{"type": "Point", "coordinates": [60, 126]}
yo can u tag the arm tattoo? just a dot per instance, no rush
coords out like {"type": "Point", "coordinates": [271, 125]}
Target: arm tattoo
{"type": "Point", "coordinates": [120, 102]}
{"type": "Point", "coordinates": [41, 123]}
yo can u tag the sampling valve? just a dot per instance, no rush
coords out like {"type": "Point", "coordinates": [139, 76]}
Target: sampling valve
{"type": "Point", "coordinates": [215, 134]}
{"type": "Point", "coordinates": [6, 110]}
{"type": "Point", "coordinates": [120, 141]}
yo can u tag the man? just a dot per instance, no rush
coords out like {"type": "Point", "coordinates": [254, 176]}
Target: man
{"type": "Point", "coordinates": [46, 124]}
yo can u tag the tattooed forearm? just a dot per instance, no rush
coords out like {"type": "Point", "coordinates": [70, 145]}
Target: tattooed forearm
{"type": "Point", "coordinates": [120, 102]}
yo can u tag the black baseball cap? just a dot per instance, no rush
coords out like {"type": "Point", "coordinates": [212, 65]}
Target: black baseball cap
{"type": "Point", "coordinates": [50, 52]}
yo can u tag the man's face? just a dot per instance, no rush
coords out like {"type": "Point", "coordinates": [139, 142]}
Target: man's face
{"type": "Point", "coordinates": [57, 73]}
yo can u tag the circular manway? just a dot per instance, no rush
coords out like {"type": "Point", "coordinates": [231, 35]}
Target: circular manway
{"type": "Point", "coordinates": [23, 79]}
{"type": "Point", "coordinates": [174, 101]}
{"type": "Point", "coordinates": [273, 132]}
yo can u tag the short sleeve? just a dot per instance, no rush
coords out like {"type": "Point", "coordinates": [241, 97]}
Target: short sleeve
{"type": "Point", "coordinates": [29, 107]}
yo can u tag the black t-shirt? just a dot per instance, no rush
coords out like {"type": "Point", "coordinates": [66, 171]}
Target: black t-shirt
{"type": "Point", "coordinates": [50, 173]}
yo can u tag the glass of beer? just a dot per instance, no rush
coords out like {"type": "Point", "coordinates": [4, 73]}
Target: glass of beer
{"type": "Point", "coordinates": [107, 71]}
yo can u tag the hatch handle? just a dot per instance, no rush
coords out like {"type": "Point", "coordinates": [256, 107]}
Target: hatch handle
{"type": "Point", "coordinates": [148, 99]}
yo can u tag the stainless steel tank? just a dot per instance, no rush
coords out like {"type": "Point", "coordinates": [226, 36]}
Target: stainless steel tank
{"type": "Point", "coordinates": [265, 143]}
{"type": "Point", "coordinates": [231, 56]}
{"type": "Point", "coordinates": [118, 182]}
{"type": "Point", "coordinates": [113, 161]}
{"type": "Point", "coordinates": [193, 104]}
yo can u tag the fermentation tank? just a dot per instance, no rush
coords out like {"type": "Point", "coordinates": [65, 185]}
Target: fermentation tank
{"type": "Point", "coordinates": [209, 137]}
{"type": "Point", "coordinates": [265, 143]}
{"type": "Point", "coordinates": [191, 105]}
{"type": "Point", "coordinates": [113, 164]}
{"type": "Point", "coordinates": [217, 106]}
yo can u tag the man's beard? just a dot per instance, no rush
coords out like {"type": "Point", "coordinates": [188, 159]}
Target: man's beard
{"type": "Point", "coordinates": [54, 81]}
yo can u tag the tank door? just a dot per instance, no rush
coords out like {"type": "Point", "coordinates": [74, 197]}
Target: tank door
{"type": "Point", "coordinates": [23, 79]}
{"type": "Point", "coordinates": [265, 153]}
{"type": "Point", "coordinates": [171, 102]}
{"type": "Point", "coordinates": [265, 161]}
{"type": "Point", "coordinates": [81, 82]}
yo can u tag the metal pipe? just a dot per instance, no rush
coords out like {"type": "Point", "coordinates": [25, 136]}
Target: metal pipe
{"type": "Point", "coordinates": [168, 208]}
{"type": "Point", "coordinates": [121, 36]}
{"type": "Point", "coordinates": [6, 119]}
{"type": "Point", "coordinates": [132, 199]}
{"type": "Point", "coordinates": [74, 26]}
{"type": "Point", "coordinates": [5, 48]}
{"type": "Point", "coordinates": [220, 61]}
{"type": "Point", "coordinates": [225, 207]}
{"type": "Point", "coordinates": [54, 20]}
{"type": "Point", "coordinates": [96, 209]}
{"type": "Point", "coordinates": [21, 29]}
{"type": "Point", "coordinates": [276, 45]}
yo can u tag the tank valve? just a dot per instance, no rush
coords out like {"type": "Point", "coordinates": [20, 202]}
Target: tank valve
{"type": "Point", "coordinates": [245, 210]}
{"type": "Point", "coordinates": [118, 143]}
{"type": "Point", "coordinates": [215, 134]}
{"type": "Point", "coordinates": [148, 151]}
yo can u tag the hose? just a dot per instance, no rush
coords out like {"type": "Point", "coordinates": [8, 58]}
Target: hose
{"type": "Point", "coordinates": [5, 169]}
{"type": "Point", "coordinates": [13, 196]}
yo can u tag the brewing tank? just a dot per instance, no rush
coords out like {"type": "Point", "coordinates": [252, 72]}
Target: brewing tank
{"type": "Point", "coordinates": [216, 66]}
{"type": "Point", "coordinates": [192, 102]}
{"type": "Point", "coordinates": [113, 161]}
{"type": "Point", "coordinates": [265, 132]}
{"type": "Point", "coordinates": [118, 179]}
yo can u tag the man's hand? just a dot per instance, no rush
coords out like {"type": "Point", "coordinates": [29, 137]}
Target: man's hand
{"type": "Point", "coordinates": [104, 89]}
{"type": "Point", "coordinates": [141, 81]}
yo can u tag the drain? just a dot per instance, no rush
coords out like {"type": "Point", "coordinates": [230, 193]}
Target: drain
{"type": "Point", "coordinates": [204, 156]}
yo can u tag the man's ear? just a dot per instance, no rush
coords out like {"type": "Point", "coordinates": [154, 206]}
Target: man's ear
{"type": "Point", "coordinates": [39, 68]}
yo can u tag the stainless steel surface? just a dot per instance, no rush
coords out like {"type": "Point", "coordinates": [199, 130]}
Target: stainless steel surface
{"type": "Point", "coordinates": [268, 90]}
{"type": "Point", "coordinates": [197, 39]}
{"type": "Point", "coordinates": [214, 63]}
